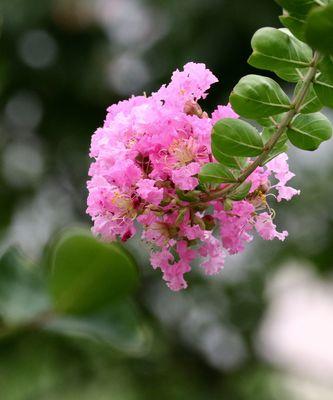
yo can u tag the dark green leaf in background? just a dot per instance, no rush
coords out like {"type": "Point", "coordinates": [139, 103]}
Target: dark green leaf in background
{"type": "Point", "coordinates": [319, 28]}
{"type": "Point", "coordinates": [301, 7]}
{"type": "Point", "coordinates": [119, 326]}
{"type": "Point", "coordinates": [87, 274]}
{"type": "Point", "coordinates": [295, 23]}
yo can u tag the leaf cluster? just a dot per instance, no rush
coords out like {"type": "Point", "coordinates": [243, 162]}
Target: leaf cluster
{"type": "Point", "coordinates": [300, 53]}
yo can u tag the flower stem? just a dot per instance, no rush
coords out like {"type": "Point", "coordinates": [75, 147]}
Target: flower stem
{"type": "Point", "coordinates": [296, 105]}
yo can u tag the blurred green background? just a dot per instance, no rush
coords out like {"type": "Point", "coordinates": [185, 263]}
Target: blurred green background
{"type": "Point", "coordinates": [261, 330]}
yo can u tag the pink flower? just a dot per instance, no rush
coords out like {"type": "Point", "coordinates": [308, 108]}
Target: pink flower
{"type": "Point", "coordinates": [147, 190]}
{"type": "Point", "coordinates": [183, 177]}
{"type": "Point", "coordinates": [266, 229]}
{"type": "Point", "coordinates": [235, 226]}
{"type": "Point", "coordinates": [223, 112]}
{"type": "Point", "coordinates": [148, 155]}
{"type": "Point", "coordinates": [286, 193]}
{"type": "Point", "coordinates": [214, 254]}
{"type": "Point", "coordinates": [280, 168]}
{"type": "Point", "coordinates": [123, 173]}
{"type": "Point", "coordinates": [190, 84]}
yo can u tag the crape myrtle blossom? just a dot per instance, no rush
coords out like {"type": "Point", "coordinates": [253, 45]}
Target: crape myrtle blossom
{"type": "Point", "coordinates": [147, 158]}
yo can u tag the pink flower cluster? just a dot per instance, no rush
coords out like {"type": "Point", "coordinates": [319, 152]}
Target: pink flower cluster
{"type": "Point", "coordinates": [145, 176]}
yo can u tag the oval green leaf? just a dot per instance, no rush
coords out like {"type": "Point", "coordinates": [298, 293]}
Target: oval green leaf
{"type": "Point", "coordinates": [295, 23]}
{"type": "Point", "coordinates": [256, 96]}
{"type": "Point", "coordinates": [216, 173]}
{"type": "Point", "coordinates": [308, 131]}
{"type": "Point", "coordinates": [231, 162]}
{"type": "Point", "coordinates": [291, 74]}
{"type": "Point", "coordinates": [275, 49]}
{"type": "Point", "coordinates": [237, 138]}
{"type": "Point", "coordinates": [87, 274]}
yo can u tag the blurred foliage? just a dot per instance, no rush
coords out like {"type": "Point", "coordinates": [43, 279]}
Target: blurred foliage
{"type": "Point", "coordinates": [75, 288]}
{"type": "Point", "coordinates": [108, 347]}
{"type": "Point", "coordinates": [62, 62]}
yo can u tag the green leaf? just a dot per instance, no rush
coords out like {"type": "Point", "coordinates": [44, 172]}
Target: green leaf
{"type": "Point", "coordinates": [264, 122]}
{"type": "Point", "coordinates": [311, 103]}
{"type": "Point", "coordinates": [300, 7]}
{"type": "Point", "coordinates": [241, 191]}
{"type": "Point", "coordinates": [216, 173]}
{"type": "Point", "coordinates": [275, 49]}
{"type": "Point", "coordinates": [191, 196]}
{"type": "Point", "coordinates": [319, 28]}
{"type": "Point", "coordinates": [23, 293]}
{"type": "Point", "coordinates": [291, 74]}
{"type": "Point", "coordinates": [308, 131]}
{"type": "Point", "coordinates": [237, 138]}
{"type": "Point", "coordinates": [270, 122]}
{"type": "Point", "coordinates": [323, 87]}
{"type": "Point", "coordinates": [86, 274]}
{"type": "Point", "coordinates": [295, 23]}
{"type": "Point", "coordinates": [119, 326]}
{"type": "Point", "coordinates": [256, 96]}
{"type": "Point", "coordinates": [231, 162]}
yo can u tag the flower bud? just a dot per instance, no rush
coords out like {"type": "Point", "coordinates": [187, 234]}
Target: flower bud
{"type": "Point", "coordinates": [192, 108]}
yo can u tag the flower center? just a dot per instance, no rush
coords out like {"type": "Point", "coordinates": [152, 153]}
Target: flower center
{"type": "Point", "coordinates": [183, 150]}
{"type": "Point", "coordinates": [125, 204]}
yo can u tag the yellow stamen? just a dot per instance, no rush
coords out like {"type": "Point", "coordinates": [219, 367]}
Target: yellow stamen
{"type": "Point", "coordinates": [183, 151]}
